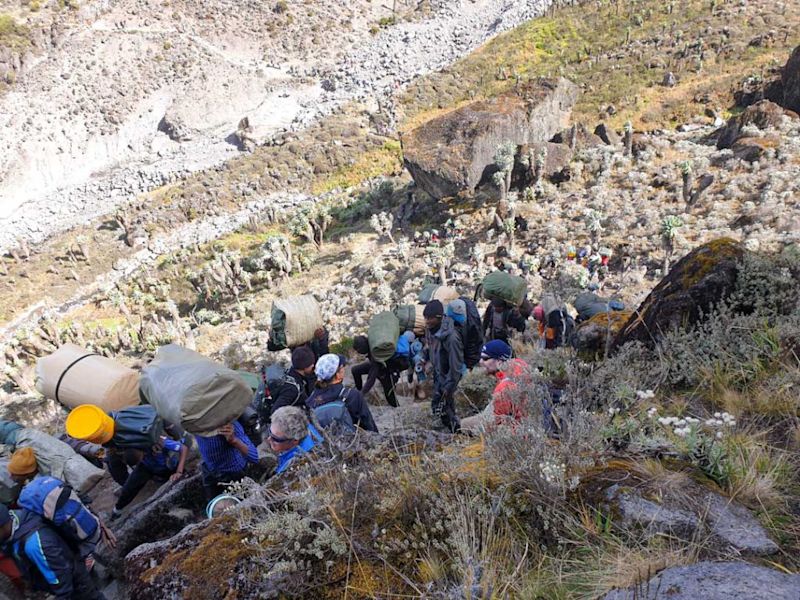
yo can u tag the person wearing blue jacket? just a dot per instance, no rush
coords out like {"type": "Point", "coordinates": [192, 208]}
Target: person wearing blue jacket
{"type": "Point", "coordinates": [44, 558]}
{"type": "Point", "coordinates": [290, 435]}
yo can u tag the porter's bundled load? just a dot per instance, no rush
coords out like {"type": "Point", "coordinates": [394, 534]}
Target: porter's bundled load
{"type": "Point", "coordinates": [384, 329]}
{"type": "Point", "coordinates": [500, 285]}
{"type": "Point", "coordinates": [188, 388]}
{"type": "Point", "coordinates": [55, 458]}
{"type": "Point", "coordinates": [294, 321]}
{"type": "Point", "coordinates": [72, 375]}
{"type": "Point", "coordinates": [9, 489]}
{"type": "Point", "coordinates": [411, 319]}
{"type": "Point", "coordinates": [434, 291]}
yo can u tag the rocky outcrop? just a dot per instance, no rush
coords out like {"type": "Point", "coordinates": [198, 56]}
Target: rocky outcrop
{"type": "Point", "coordinates": [163, 515]}
{"type": "Point", "coordinates": [763, 115]}
{"type": "Point", "coordinates": [686, 510]}
{"type": "Point", "coordinates": [592, 336]}
{"type": "Point", "coordinates": [714, 581]}
{"type": "Point", "coordinates": [698, 282]}
{"type": "Point", "coordinates": [790, 80]}
{"type": "Point", "coordinates": [455, 152]}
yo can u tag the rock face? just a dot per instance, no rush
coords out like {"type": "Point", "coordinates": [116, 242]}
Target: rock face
{"type": "Point", "coordinates": [699, 281]}
{"type": "Point", "coordinates": [654, 518]}
{"type": "Point", "coordinates": [714, 581]}
{"type": "Point", "coordinates": [763, 115]}
{"type": "Point", "coordinates": [791, 82]}
{"type": "Point", "coordinates": [686, 510]}
{"type": "Point", "coordinates": [591, 336]}
{"type": "Point", "coordinates": [455, 152]}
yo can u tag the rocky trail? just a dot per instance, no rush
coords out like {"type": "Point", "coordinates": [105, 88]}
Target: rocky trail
{"type": "Point", "coordinates": [123, 105]}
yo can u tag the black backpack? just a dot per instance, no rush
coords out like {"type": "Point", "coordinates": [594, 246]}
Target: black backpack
{"type": "Point", "coordinates": [473, 334]}
{"type": "Point", "coordinates": [273, 380]}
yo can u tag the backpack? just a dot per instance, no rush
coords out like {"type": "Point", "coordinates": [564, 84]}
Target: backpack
{"type": "Point", "coordinates": [335, 413]}
{"type": "Point", "coordinates": [473, 334]}
{"type": "Point", "coordinates": [273, 379]}
{"type": "Point", "coordinates": [59, 506]}
{"type": "Point", "coordinates": [558, 328]}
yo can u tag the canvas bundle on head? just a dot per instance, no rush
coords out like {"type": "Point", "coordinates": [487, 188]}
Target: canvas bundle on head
{"type": "Point", "coordinates": [187, 388]}
{"type": "Point", "coordinates": [384, 329]}
{"type": "Point", "coordinates": [294, 321]}
{"type": "Point", "coordinates": [434, 291]}
{"type": "Point", "coordinates": [500, 285]}
{"type": "Point", "coordinates": [411, 318]}
{"type": "Point", "coordinates": [72, 375]}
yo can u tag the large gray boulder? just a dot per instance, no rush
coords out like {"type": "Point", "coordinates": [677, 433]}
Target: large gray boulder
{"type": "Point", "coordinates": [455, 152]}
{"type": "Point", "coordinates": [790, 79]}
{"type": "Point", "coordinates": [714, 581]}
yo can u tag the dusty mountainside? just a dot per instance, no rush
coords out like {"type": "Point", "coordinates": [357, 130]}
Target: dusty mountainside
{"type": "Point", "coordinates": [672, 149]}
{"type": "Point", "coordinates": [110, 100]}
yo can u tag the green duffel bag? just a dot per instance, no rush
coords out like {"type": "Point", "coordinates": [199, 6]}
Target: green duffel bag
{"type": "Point", "coordinates": [500, 285]}
{"type": "Point", "coordinates": [384, 329]}
{"type": "Point", "coordinates": [434, 291]}
{"type": "Point", "coordinates": [411, 319]}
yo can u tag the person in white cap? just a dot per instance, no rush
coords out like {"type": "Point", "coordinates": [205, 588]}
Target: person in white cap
{"type": "Point", "coordinates": [332, 396]}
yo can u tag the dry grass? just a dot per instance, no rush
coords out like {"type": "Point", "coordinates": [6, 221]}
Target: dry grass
{"type": "Point", "coordinates": [618, 53]}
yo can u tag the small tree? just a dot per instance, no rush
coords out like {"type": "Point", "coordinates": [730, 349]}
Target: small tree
{"type": "Point", "coordinates": [686, 175]}
{"type": "Point", "coordinates": [382, 223]}
{"type": "Point", "coordinates": [311, 223]}
{"type": "Point", "coordinates": [594, 223]}
{"type": "Point", "coordinates": [628, 138]}
{"type": "Point", "coordinates": [669, 228]}
{"type": "Point", "coordinates": [504, 161]}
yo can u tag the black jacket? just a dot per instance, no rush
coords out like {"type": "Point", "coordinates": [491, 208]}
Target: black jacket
{"type": "Point", "coordinates": [354, 401]}
{"type": "Point", "coordinates": [511, 318]}
{"type": "Point", "coordinates": [445, 351]}
{"type": "Point", "coordinates": [294, 390]}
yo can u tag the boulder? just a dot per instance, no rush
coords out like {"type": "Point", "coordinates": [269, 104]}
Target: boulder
{"type": "Point", "coordinates": [174, 125]}
{"type": "Point", "coordinates": [607, 134]}
{"type": "Point", "coordinates": [763, 115]}
{"type": "Point", "coordinates": [455, 152]}
{"type": "Point", "coordinates": [582, 137]}
{"type": "Point", "coordinates": [591, 336]}
{"type": "Point", "coordinates": [714, 581]}
{"type": "Point", "coordinates": [790, 79]}
{"type": "Point", "coordinates": [736, 526]}
{"type": "Point", "coordinates": [751, 149]}
{"type": "Point", "coordinates": [698, 282]}
{"type": "Point", "coordinates": [653, 518]}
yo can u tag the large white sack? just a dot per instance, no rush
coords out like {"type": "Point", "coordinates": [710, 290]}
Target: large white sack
{"type": "Point", "coordinates": [57, 459]}
{"type": "Point", "coordinates": [73, 376]}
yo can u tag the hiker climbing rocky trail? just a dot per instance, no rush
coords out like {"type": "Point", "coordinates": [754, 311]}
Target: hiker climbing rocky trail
{"type": "Point", "coordinates": [445, 299]}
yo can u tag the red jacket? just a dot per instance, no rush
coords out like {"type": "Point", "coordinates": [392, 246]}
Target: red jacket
{"type": "Point", "coordinates": [508, 400]}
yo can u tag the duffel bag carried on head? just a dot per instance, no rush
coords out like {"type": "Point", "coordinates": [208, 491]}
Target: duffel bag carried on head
{"type": "Point", "coordinates": [189, 389]}
{"type": "Point", "coordinates": [434, 291]}
{"type": "Point", "coordinates": [500, 285]}
{"type": "Point", "coordinates": [411, 318]}
{"type": "Point", "coordinates": [384, 329]}
{"type": "Point", "coordinates": [73, 376]}
{"type": "Point", "coordinates": [294, 321]}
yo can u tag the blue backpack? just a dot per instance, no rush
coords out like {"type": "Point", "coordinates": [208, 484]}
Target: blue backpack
{"type": "Point", "coordinates": [59, 505]}
{"type": "Point", "coordinates": [403, 347]}
{"type": "Point", "coordinates": [335, 412]}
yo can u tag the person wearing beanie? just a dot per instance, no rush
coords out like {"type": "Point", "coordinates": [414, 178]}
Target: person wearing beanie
{"type": "Point", "coordinates": [507, 402]}
{"type": "Point", "coordinates": [332, 402]}
{"type": "Point", "coordinates": [44, 558]}
{"type": "Point", "coordinates": [500, 319]}
{"type": "Point", "coordinates": [444, 338]}
{"type": "Point", "coordinates": [22, 467]}
{"type": "Point", "coordinates": [388, 374]}
{"type": "Point", "coordinates": [297, 382]}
